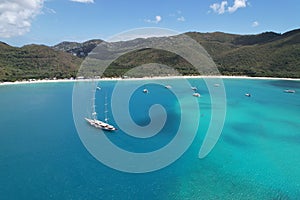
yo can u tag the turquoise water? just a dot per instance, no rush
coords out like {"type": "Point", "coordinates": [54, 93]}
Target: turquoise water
{"type": "Point", "coordinates": [257, 156]}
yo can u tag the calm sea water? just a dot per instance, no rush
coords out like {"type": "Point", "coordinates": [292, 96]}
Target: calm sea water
{"type": "Point", "coordinates": [257, 156]}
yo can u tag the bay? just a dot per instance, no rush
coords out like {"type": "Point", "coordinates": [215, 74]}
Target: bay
{"type": "Point", "coordinates": [256, 157]}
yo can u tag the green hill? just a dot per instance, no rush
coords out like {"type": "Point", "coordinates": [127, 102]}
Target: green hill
{"type": "Point", "coordinates": [266, 54]}
{"type": "Point", "coordinates": [35, 61]}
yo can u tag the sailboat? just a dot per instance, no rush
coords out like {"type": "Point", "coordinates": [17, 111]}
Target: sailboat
{"type": "Point", "coordinates": [93, 121]}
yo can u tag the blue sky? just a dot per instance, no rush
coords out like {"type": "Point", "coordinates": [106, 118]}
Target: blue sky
{"type": "Point", "coordinates": [52, 21]}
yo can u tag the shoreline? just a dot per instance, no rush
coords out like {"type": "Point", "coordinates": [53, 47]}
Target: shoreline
{"type": "Point", "coordinates": [144, 78]}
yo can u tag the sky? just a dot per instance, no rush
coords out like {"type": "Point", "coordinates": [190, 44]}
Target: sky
{"type": "Point", "coordinates": [52, 21]}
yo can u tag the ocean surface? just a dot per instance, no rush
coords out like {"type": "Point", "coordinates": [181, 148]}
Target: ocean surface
{"type": "Point", "coordinates": [256, 157]}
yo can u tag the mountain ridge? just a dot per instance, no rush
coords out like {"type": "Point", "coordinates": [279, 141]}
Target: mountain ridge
{"type": "Point", "coordinates": [265, 54]}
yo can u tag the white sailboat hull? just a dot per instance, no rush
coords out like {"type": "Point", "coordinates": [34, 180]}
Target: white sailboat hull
{"type": "Point", "coordinates": [100, 124]}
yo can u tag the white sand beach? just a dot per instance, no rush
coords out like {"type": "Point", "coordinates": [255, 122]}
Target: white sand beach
{"type": "Point", "coordinates": [144, 78]}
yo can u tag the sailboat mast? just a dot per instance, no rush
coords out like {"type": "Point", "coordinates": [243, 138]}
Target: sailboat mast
{"type": "Point", "coordinates": [94, 113]}
{"type": "Point", "coordinates": [105, 110]}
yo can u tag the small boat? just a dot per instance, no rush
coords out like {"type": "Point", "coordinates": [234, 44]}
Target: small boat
{"type": "Point", "coordinates": [194, 88]}
{"type": "Point", "coordinates": [168, 86]}
{"type": "Point", "coordinates": [248, 95]}
{"type": "Point", "coordinates": [196, 94]}
{"type": "Point", "coordinates": [98, 88]}
{"type": "Point", "coordinates": [217, 85]}
{"type": "Point", "coordinates": [289, 91]}
{"type": "Point", "coordinates": [145, 91]}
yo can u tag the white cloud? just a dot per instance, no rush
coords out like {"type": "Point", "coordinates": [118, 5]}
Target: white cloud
{"type": "Point", "coordinates": [83, 1]}
{"type": "Point", "coordinates": [181, 19]}
{"type": "Point", "coordinates": [255, 24]}
{"type": "Point", "coordinates": [223, 7]}
{"type": "Point", "coordinates": [237, 4]}
{"type": "Point", "coordinates": [157, 19]}
{"type": "Point", "coordinates": [219, 7]}
{"type": "Point", "coordinates": [16, 16]}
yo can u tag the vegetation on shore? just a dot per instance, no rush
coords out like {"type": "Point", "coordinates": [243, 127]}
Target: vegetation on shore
{"type": "Point", "coordinates": [267, 54]}
{"type": "Point", "coordinates": [35, 62]}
